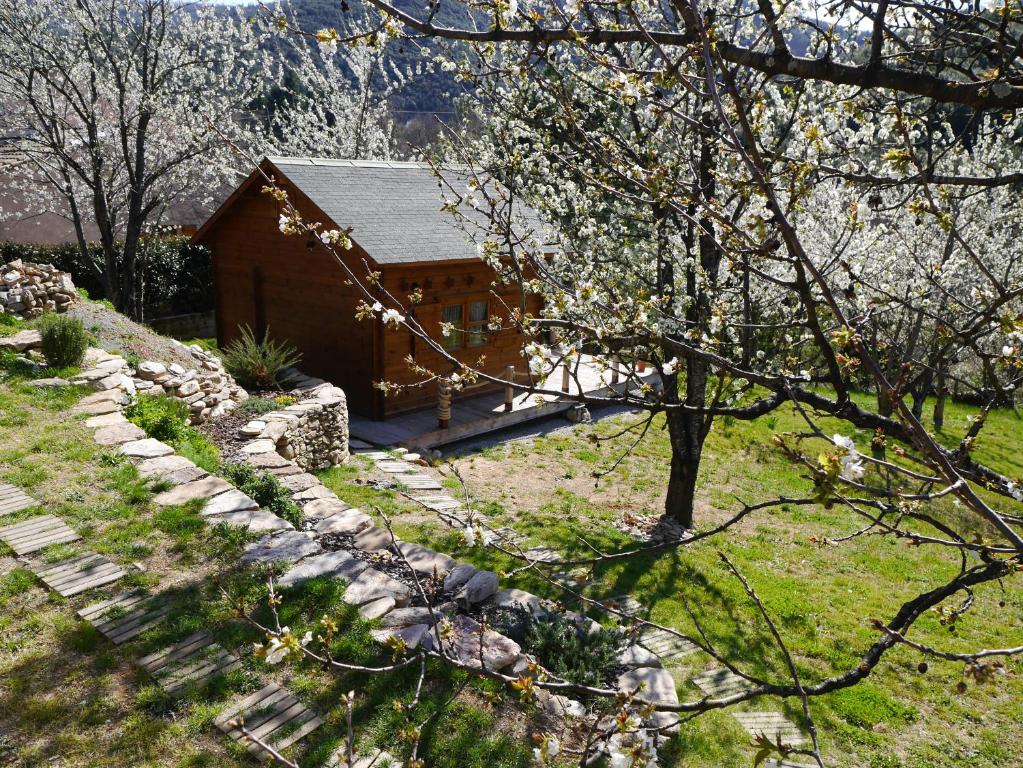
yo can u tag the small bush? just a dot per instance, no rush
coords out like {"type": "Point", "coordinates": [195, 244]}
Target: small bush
{"type": "Point", "coordinates": [264, 489]}
{"type": "Point", "coordinates": [164, 418]}
{"type": "Point", "coordinates": [258, 364]}
{"type": "Point", "coordinates": [571, 653]}
{"type": "Point", "coordinates": [64, 340]}
{"type": "Point", "coordinates": [257, 406]}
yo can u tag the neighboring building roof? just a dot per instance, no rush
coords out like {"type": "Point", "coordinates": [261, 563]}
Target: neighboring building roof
{"type": "Point", "coordinates": [393, 208]}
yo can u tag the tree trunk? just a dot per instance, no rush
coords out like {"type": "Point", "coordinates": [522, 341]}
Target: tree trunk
{"type": "Point", "coordinates": [686, 433]}
{"type": "Point", "coordinates": [939, 402]}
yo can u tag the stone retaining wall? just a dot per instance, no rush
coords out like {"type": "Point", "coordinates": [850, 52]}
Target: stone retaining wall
{"type": "Point", "coordinates": [313, 432]}
{"type": "Point", "coordinates": [28, 289]}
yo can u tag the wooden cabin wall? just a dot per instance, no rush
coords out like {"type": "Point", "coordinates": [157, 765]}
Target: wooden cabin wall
{"type": "Point", "coordinates": [446, 283]}
{"type": "Point", "coordinates": [266, 279]}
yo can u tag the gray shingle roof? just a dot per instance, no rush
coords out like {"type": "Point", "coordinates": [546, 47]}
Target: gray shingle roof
{"type": "Point", "coordinates": [394, 208]}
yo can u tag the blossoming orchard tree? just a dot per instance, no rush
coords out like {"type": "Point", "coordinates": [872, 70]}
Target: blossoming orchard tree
{"type": "Point", "coordinates": [113, 111]}
{"type": "Point", "coordinates": [771, 206]}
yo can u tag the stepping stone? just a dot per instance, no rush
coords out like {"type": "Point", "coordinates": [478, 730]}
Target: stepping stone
{"type": "Point", "coordinates": [372, 585]}
{"type": "Point", "coordinates": [376, 609]}
{"type": "Point", "coordinates": [425, 561]}
{"type": "Point", "coordinates": [626, 604]}
{"type": "Point", "coordinates": [97, 408]}
{"type": "Point", "coordinates": [721, 682]}
{"type": "Point", "coordinates": [288, 547]}
{"type": "Point", "coordinates": [106, 420]}
{"type": "Point", "coordinates": [303, 481]}
{"type": "Point", "coordinates": [269, 461]}
{"type": "Point", "coordinates": [228, 502]}
{"type": "Point", "coordinates": [671, 648]}
{"type": "Point", "coordinates": [146, 449]}
{"type": "Point", "coordinates": [259, 447]}
{"type": "Point", "coordinates": [272, 714]}
{"type": "Point", "coordinates": [197, 489]}
{"type": "Point", "coordinates": [77, 574]}
{"type": "Point", "coordinates": [373, 539]}
{"type": "Point", "coordinates": [658, 686]}
{"type": "Point", "coordinates": [13, 499]}
{"type": "Point", "coordinates": [395, 467]}
{"type": "Point", "coordinates": [338, 564]}
{"type": "Point", "coordinates": [188, 663]}
{"type": "Point", "coordinates": [420, 482]}
{"type": "Point", "coordinates": [163, 466]}
{"type": "Point", "coordinates": [350, 521]}
{"type": "Point", "coordinates": [376, 455]}
{"type": "Point", "coordinates": [35, 533]}
{"type": "Point", "coordinates": [439, 503]}
{"type": "Point", "coordinates": [22, 340]}
{"type": "Point", "coordinates": [118, 434]}
{"type": "Point", "coordinates": [311, 494]}
{"type": "Point", "coordinates": [321, 508]}
{"type": "Point", "coordinates": [774, 725]}
{"type": "Point", "coordinates": [542, 554]}
{"type": "Point", "coordinates": [255, 520]}
{"type": "Point", "coordinates": [127, 615]}
{"type": "Point", "coordinates": [289, 469]}
{"type": "Point", "coordinates": [379, 759]}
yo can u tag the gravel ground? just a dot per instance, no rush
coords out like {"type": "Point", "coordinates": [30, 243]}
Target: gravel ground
{"type": "Point", "coordinates": [116, 333]}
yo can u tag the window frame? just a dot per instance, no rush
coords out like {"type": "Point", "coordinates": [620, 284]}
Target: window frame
{"type": "Point", "coordinates": [466, 329]}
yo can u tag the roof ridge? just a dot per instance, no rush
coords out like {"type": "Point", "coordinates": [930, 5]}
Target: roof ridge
{"type": "Point", "coordinates": [329, 162]}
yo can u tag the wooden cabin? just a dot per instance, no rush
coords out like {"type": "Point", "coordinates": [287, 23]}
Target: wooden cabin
{"type": "Point", "coordinates": [292, 287]}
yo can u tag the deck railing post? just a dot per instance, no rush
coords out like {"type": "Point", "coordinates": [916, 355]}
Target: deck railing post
{"type": "Point", "coordinates": [509, 390]}
{"type": "Point", "coordinates": [564, 375]}
{"type": "Point", "coordinates": [443, 402]}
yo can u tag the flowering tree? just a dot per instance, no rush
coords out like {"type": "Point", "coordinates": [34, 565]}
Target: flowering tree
{"type": "Point", "coordinates": [110, 107]}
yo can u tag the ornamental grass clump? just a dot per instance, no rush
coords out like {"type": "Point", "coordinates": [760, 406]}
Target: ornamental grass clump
{"type": "Point", "coordinates": [572, 653]}
{"type": "Point", "coordinates": [264, 489]}
{"type": "Point", "coordinates": [258, 363]}
{"type": "Point", "coordinates": [64, 340]}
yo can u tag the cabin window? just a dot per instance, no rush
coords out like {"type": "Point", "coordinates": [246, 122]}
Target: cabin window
{"type": "Point", "coordinates": [452, 315]}
{"type": "Point", "coordinates": [477, 323]}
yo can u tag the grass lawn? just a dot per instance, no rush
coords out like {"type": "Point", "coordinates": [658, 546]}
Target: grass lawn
{"type": "Point", "coordinates": [822, 596]}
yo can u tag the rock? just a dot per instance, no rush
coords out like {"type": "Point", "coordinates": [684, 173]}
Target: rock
{"type": "Point", "coordinates": [187, 388]}
{"type": "Point", "coordinates": [658, 687]}
{"type": "Point", "coordinates": [106, 420]}
{"type": "Point", "coordinates": [371, 585]}
{"type": "Point", "coordinates": [176, 369]}
{"type": "Point", "coordinates": [145, 449]}
{"type": "Point", "coordinates": [321, 508]}
{"type": "Point", "coordinates": [480, 588]}
{"type": "Point", "coordinates": [464, 643]}
{"type": "Point", "coordinates": [289, 547]}
{"type": "Point", "coordinates": [403, 617]}
{"type": "Point", "coordinates": [376, 608]}
{"type": "Point", "coordinates": [97, 408]}
{"type": "Point", "coordinates": [636, 656]}
{"type": "Point", "coordinates": [338, 564]}
{"type": "Point", "coordinates": [349, 521]}
{"type": "Point", "coordinates": [50, 383]}
{"type": "Point", "coordinates": [267, 460]}
{"type": "Point", "coordinates": [256, 520]}
{"type": "Point", "coordinates": [117, 434]}
{"type": "Point", "coordinates": [252, 429]}
{"type": "Point", "coordinates": [113, 396]}
{"type": "Point", "coordinates": [559, 708]}
{"type": "Point", "coordinates": [300, 482]}
{"type": "Point", "coordinates": [310, 494]}
{"type": "Point", "coordinates": [259, 446]}
{"type": "Point", "coordinates": [458, 577]}
{"type": "Point", "coordinates": [227, 502]}
{"type": "Point", "coordinates": [197, 489]}
{"type": "Point", "coordinates": [425, 561]}
{"type": "Point", "coordinates": [162, 465]}
{"type": "Point", "coordinates": [372, 539]}
{"type": "Point", "coordinates": [21, 341]}
{"type": "Point", "coordinates": [521, 600]}
{"type": "Point", "coordinates": [150, 370]}
{"type": "Point", "coordinates": [289, 469]}
{"type": "Point", "coordinates": [411, 635]}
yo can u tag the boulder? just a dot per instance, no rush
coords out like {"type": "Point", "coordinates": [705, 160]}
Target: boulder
{"type": "Point", "coordinates": [150, 370]}
{"type": "Point", "coordinates": [521, 600]}
{"type": "Point", "coordinates": [371, 585]}
{"type": "Point", "coordinates": [458, 577]}
{"type": "Point", "coordinates": [636, 656]}
{"type": "Point", "coordinates": [498, 651]}
{"type": "Point", "coordinates": [658, 687]}
{"type": "Point", "coordinates": [480, 588]}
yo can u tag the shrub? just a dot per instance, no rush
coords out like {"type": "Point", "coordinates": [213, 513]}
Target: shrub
{"type": "Point", "coordinates": [257, 406]}
{"type": "Point", "coordinates": [259, 363]}
{"type": "Point", "coordinates": [568, 651]}
{"type": "Point", "coordinates": [64, 340]}
{"type": "Point", "coordinates": [164, 418]}
{"type": "Point", "coordinates": [264, 489]}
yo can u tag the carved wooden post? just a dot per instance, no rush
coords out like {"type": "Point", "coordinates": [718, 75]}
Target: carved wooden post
{"type": "Point", "coordinates": [614, 370]}
{"type": "Point", "coordinates": [509, 390]}
{"type": "Point", "coordinates": [443, 402]}
{"type": "Point", "coordinates": [564, 375]}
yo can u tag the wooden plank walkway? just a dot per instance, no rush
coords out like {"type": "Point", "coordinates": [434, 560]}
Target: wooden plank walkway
{"type": "Point", "coordinates": [273, 714]}
{"type": "Point", "coordinates": [13, 499]}
{"type": "Point", "coordinates": [35, 533]}
{"type": "Point", "coordinates": [721, 682]}
{"type": "Point", "coordinates": [190, 662]}
{"type": "Point", "coordinates": [127, 615]}
{"type": "Point", "coordinates": [77, 574]}
{"type": "Point", "coordinates": [670, 647]}
{"type": "Point", "coordinates": [773, 725]}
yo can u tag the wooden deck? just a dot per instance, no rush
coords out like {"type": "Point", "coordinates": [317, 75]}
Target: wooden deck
{"type": "Point", "coordinates": [473, 415]}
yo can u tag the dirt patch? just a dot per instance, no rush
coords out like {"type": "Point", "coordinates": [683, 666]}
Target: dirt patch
{"type": "Point", "coordinates": [116, 333]}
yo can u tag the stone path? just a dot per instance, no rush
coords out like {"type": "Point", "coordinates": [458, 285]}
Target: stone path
{"type": "Point", "coordinates": [721, 682]}
{"type": "Point", "coordinates": [126, 616]}
{"type": "Point", "coordinates": [36, 533]}
{"type": "Point", "coordinates": [774, 725]}
{"type": "Point", "coordinates": [189, 663]}
{"type": "Point", "coordinates": [77, 574]}
{"type": "Point", "coordinates": [13, 499]}
{"type": "Point", "coordinates": [273, 714]}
